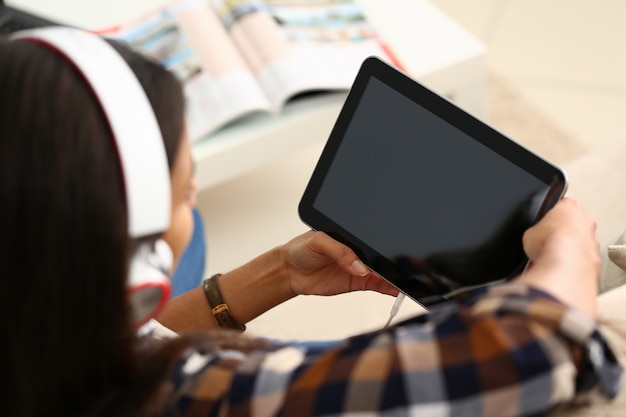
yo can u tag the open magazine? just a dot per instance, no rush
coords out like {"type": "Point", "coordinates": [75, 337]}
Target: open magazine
{"type": "Point", "coordinates": [237, 57]}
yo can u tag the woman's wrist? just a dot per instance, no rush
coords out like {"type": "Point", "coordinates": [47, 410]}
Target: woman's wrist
{"type": "Point", "coordinates": [257, 286]}
{"type": "Point", "coordinates": [248, 291]}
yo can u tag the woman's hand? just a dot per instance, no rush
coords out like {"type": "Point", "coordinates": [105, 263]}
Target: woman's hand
{"type": "Point", "coordinates": [317, 264]}
{"type": "Point", "coordinates": [565, 255]}
{"type": "Point", "coordinates": [312, 263]}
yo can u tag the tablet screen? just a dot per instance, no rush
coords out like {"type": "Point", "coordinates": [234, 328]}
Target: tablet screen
{"type": "Point", "coordinates": [429, 197]}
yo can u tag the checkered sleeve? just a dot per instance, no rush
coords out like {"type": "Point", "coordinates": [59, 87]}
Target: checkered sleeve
{"type": "Point", "coordinates": [507, 350]}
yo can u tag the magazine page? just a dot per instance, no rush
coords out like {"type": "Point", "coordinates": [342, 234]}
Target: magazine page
{"type": "Point", "coordinates": [188, 38]}
{"type": "Point", "coordinates": [296, 46]}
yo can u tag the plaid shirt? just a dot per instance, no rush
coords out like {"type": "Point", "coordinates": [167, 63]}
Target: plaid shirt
{"type": "Point", "coordinates": [506, 350]}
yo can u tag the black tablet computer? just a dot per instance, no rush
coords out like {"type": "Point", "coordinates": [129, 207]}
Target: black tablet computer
{"type": "Point", "coordinates": [429, 197]}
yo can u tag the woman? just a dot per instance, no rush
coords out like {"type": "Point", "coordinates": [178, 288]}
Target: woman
{"type": "Point", "coordinates": [70, 349]}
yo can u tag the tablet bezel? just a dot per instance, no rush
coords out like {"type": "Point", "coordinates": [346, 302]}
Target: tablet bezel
{"type": "Point", "coordinates": [445, 109]}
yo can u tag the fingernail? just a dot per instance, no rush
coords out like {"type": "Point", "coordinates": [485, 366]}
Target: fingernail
{"type": "Point", "coordinates": [360, 268]}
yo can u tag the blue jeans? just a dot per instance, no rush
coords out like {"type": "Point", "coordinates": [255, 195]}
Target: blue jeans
{"type": "Point", "coordinates": [190, 270]}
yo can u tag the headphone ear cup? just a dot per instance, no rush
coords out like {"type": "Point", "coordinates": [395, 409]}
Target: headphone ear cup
{"type": "Point", "coordinates": [149, 285]}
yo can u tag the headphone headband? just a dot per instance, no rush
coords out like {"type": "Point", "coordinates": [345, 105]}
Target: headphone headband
{"type": "Point", "coordinates": [133, 124]}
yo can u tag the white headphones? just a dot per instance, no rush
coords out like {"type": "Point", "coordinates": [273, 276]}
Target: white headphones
{"type": "Point", "coordinates": [141, 154]}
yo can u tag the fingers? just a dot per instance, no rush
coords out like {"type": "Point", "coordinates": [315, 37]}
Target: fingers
{"type": "Point", "coordinates": [566, 231]}
{"type": "Point", "coordinates": [375, 283]}
{"type": "Point", "coordinates": [359, 268]}
{"type": "Point", "coordinates": [349, 262]}
{"type": "Point", "coordinates": [567, 217]}
{"type": "Point", "coordinates": [565, 255]}
{"type": "Point", "coordinates": [344, 256]}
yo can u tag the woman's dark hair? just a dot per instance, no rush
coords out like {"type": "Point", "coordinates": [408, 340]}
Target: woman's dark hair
{"type": "Point", "coordinates": [67, 347]}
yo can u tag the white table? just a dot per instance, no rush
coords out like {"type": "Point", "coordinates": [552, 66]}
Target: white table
{"type": "Point", "coordinates": [432, 48]}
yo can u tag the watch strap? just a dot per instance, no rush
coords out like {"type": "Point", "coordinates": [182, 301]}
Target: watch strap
{"type": "Point", "coordinates": [218, 306]}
